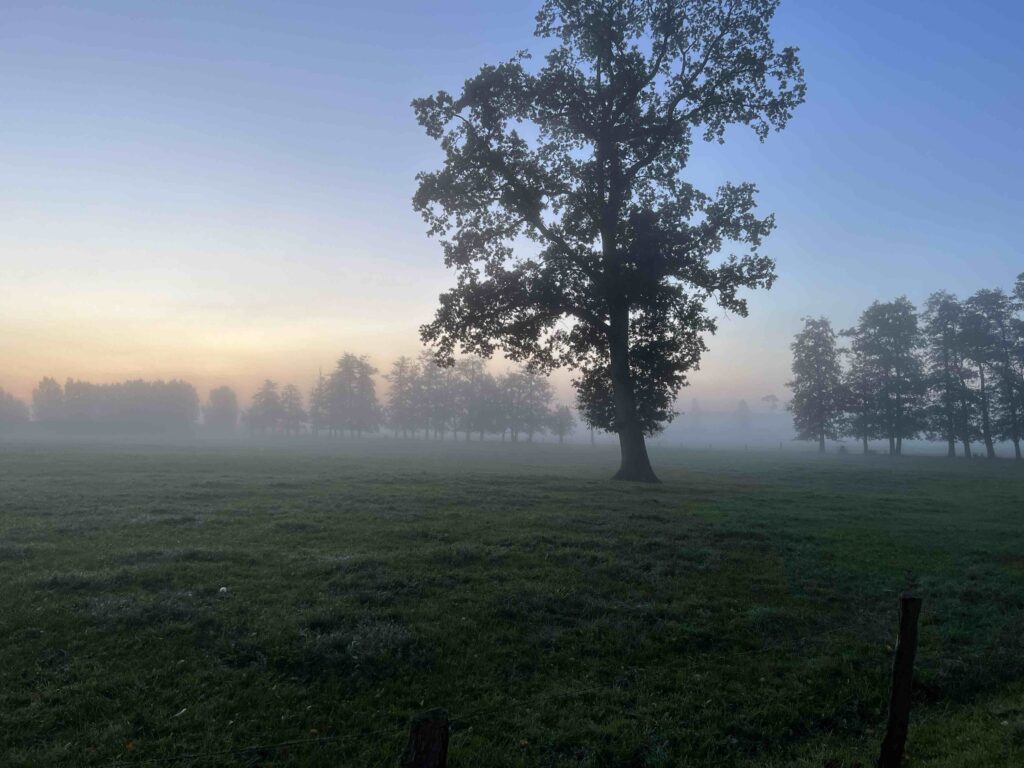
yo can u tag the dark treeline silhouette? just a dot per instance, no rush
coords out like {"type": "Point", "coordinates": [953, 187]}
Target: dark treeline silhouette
{"type": "Point", "coordinates": [952, 373]}
{"type": "Point", "coordinates": [153, 404]}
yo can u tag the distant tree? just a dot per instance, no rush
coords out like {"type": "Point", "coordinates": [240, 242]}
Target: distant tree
{"type": "Point", "coordinates": [319, 404]}
{"type": "Point", "coordinates": [563, 422]}
{"type": "Point", "coordinates": [1006, 340]}
{"type": "Point", "coordinates": [818, 392]}
{"type": "Point", "coordinates": [473, 388]}
{"type": "Point", "coordinates": [991, 344]}
{"type": "Point", "coordinates": [585, 157]}
{"type": "Point", "coordinates": [491, 411]}
{"type": "Point", "coordinates": [889, 342]}
{"type": "Point", "coordinates": [221, 409]}
{"type": "Point", "coordinates": [771, 401]}
{"type": "Point", "coordinates": [48, 401]}
{"type": "Point", "coordinates": [149, 404]}
{"type": "Point", "coordinates": [403, 396]}
{"type": "Point", "coordinates": [352, 396]}
{"type": "Point", "coordinates": [950, 409]}
{"type": "Point", "coordinates": [860, 384]}
{"type": "Point", "coordinates": [293, 415]}
{"type": "Point", "coordinates": [12, 410]}
{"type": "Point", "coordinates": [438, 404]}
{"type": "Point", "coordinates": [527, 398]}
{"type": "Point", "coordinates": [265, 411]}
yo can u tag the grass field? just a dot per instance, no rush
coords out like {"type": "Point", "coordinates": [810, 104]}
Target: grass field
{"type": "Point", "coordinates": [740, 614]}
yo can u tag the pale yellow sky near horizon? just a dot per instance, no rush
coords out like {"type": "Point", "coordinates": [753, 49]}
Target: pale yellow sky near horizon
{"type": "Point", "coordinates": [101, 323]}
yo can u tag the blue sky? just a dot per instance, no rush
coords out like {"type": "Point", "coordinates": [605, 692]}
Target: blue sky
{"type": "Point", "coordinates": [221, 191]}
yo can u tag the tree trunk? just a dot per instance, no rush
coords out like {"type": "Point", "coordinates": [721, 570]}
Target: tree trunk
{"type": "Point", "coordinates": [635, 464]}
{"type": "Point", "coordinates": [821, 442]}
{"type": "Point", "coordinates": [986, 422]}
{"type": "Point", "coordinates": [950, 402]}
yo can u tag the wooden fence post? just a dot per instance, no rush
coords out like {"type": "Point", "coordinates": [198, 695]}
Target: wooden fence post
{"type": "Point", "coordinates": [902, 681]}
{"type": "Point", "coordinates": [428, 741]}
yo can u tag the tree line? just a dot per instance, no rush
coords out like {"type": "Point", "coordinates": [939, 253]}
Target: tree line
{"type": "Point", "coordinates": [423, 400]}
{"type": "Point", "coordinates": [953, 372]}
{"type": "Point", "coordinates": [12, 410]}
{"type": "Point", "coordinates": [147, 403]}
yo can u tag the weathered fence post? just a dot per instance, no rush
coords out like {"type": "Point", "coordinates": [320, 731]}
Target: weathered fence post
{"type": "Point", "coordinates": [428, 741]}
{"type": "Point", "coordinates": [902, 680]}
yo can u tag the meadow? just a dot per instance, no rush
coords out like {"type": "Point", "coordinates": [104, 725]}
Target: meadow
{"type": "Point", "coordinates": [290, 604]}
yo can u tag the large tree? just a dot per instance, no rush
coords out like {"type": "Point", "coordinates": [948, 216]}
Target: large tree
{"type": "Point", "coordinates": [860, 383]}
{"type": "Point", "coordinates": [584, 156]}
{"type": "Point", "coordinates": [991, 332]}
{"type": "Point", "coordinates": [950, 409]}
{"type": "Point", "coordinates": [818, 397]}
{"type": "Point", "coordinates": [888, 341]}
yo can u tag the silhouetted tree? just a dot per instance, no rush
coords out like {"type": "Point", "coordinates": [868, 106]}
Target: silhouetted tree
{"type": "Point", "coordinates": [221, 409]}
{"type": "Point", "coordinates": [950, 409]}
{"type": "Point", "coordinates": [818, 393]}
{"type": "Point", "coordinates": [991, 344]}
{"type": "Point", "coordinates": [771, 401]}
{"type": "Point", "coordinates": [888, 339]}
{"type": "Point", "coordinates": [585, 157]}
{"type": "Point", "coordinates": [860, 383]}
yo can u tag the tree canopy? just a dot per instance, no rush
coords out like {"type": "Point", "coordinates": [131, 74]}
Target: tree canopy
{"type": "Point", "coordinates": [818, 394]}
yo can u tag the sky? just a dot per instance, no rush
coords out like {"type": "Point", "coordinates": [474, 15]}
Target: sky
{"type": "Point", "coordinates": [221, 192]}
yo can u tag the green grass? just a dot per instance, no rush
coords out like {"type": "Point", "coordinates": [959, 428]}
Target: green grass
{"type": "Point", "coordinates": [740, 614]}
